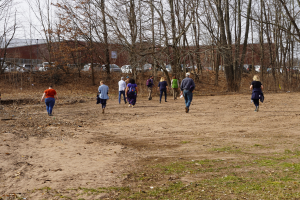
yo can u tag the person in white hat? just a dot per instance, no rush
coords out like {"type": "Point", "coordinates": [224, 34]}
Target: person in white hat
{"type": "Point", "coordinates": [187, 87]}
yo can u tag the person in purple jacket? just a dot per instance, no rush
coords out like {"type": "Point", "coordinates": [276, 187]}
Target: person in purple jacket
{"type": "Point", "coordinates": [131, 92]}
{"type": "Point", "coordinates": [162, 85]}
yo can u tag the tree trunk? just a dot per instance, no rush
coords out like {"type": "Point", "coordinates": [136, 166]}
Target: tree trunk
{"type": "Point", "coordinates": [105, 36]}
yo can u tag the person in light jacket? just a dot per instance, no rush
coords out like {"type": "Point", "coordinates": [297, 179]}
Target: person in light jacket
{"type": "Point", "coordinates": [122, 87]}
{"type": "Point", "coordinates": [103, 95]}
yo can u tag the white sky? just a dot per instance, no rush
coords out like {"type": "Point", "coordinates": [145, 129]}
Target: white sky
{"type": "Point", "coordinates": [25, 17]}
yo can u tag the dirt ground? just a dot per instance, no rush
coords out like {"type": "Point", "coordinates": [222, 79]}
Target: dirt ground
{"type": "Point", "coordinates": [43, 157]}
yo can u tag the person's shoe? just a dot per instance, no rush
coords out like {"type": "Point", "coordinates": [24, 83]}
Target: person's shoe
{"type": "Point", "coordinates": [165, 101]}
{"type": "Point", "coordinates": [50, 114]}
{"type": "Point", "coordinates": [255, 109]}
{"type": "Point", "coordinates": [125, 102]}
{"type": "Point", "coordinates": [129, 105]}
{"type": "Point", "coordinates": [132, 106]}
{"type": "Point", "coordinates": [186, 109]}
{"type": "Point", "coordinates": [159, 101]}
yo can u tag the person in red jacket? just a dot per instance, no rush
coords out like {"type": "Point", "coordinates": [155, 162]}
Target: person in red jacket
{"type": "Point", "coordinates": [49, 95]}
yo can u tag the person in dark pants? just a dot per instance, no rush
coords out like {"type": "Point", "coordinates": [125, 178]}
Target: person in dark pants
{"type": "Point", "coordinates": [162, 85]}
{"type": "Point", "coordinates": [49, 95]}
{"type": "Point", "coordinates": [122, 87]}
{"type": "Point", "coordinates": [103, 95]}
{"type": "Point", "coordinates": [150, 85]}
{"type": "Point", "coordinates": [187, 87]}
{"type": "Point", "coordinates": [257, 94]}
{"type": "Point", "coordinates": [131, 93]}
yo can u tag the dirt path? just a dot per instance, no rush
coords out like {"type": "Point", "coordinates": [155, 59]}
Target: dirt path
{"type": "Point", "coordinates": [80, 147]}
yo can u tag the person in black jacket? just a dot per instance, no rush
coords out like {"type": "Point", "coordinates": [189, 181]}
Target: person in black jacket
{"type": "Point", "coordinates": [162, 86]}
{"type": "Point", "coordinates": [257, 94]}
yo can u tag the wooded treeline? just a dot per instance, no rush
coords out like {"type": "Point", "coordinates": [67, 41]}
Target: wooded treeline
{"type": "Point", "coordinates": [180, 33]}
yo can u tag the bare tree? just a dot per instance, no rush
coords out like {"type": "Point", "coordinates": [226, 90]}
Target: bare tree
{"type": "Point", "coordinates": [43, 13]}
{"type": "Point", "coordinates": [8, 30]}
{"type": "Point", "coordinates": [233, 65]}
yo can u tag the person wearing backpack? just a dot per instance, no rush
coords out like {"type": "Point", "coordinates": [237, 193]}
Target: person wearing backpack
{"type": "Point", "coordinates": [150, 84]}
{"type": "Point", "coordinates": [103, 95]}
{"type": "Point", "coordinates": [131, 92]}
{"type": "Point", "coordinates": [162, 85]}
{"type": "Point", "coordinates": [175, 86]}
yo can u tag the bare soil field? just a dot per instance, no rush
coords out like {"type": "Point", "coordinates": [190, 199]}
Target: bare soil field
{"type": "Point", "coordinates": [222, 149]}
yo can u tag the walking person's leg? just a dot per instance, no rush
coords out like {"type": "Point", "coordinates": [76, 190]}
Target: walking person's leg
{"type": "Point", "coordinates": [120, 92]}
{"type": "Point", "coordinates": [51, 105]}
{"type": "Point", "coordinates": [128, 99]}
{"type": "Point", "coordinates": [160, 96]}
{"type": "Point", "coordinates": [174, 95]}
{"type": "Point", "coordinates": [185, 100]}
{"type": "Point", "coordinates": [190, 98]}
{"type": "Point", "coordinates": [176, 92]}
{"type": "Point", "coordinates": [150, 93]}
{"type": "Point", "coordinates": [256, 103]}
{"type": "Point", "coordinates": [103, 103]}
{"type": "Point", "coordinates": [123, 92]}
{"type": "Point", "coordinates": [165, 91]}
{"type": "Point", "coordinates": [47, 105]}
{"type": "Point", "coordinates": [134, 101]}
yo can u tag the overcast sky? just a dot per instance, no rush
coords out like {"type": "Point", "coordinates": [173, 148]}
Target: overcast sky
{"type": "Point", "coordinates": [25, 17]}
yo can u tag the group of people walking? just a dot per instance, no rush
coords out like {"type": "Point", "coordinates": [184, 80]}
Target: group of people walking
{"type": "Point", "coordinates": [129, 90]}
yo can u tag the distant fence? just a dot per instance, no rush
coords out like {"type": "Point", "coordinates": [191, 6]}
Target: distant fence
{"type": "Point", "coordinates": [20, 62]}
